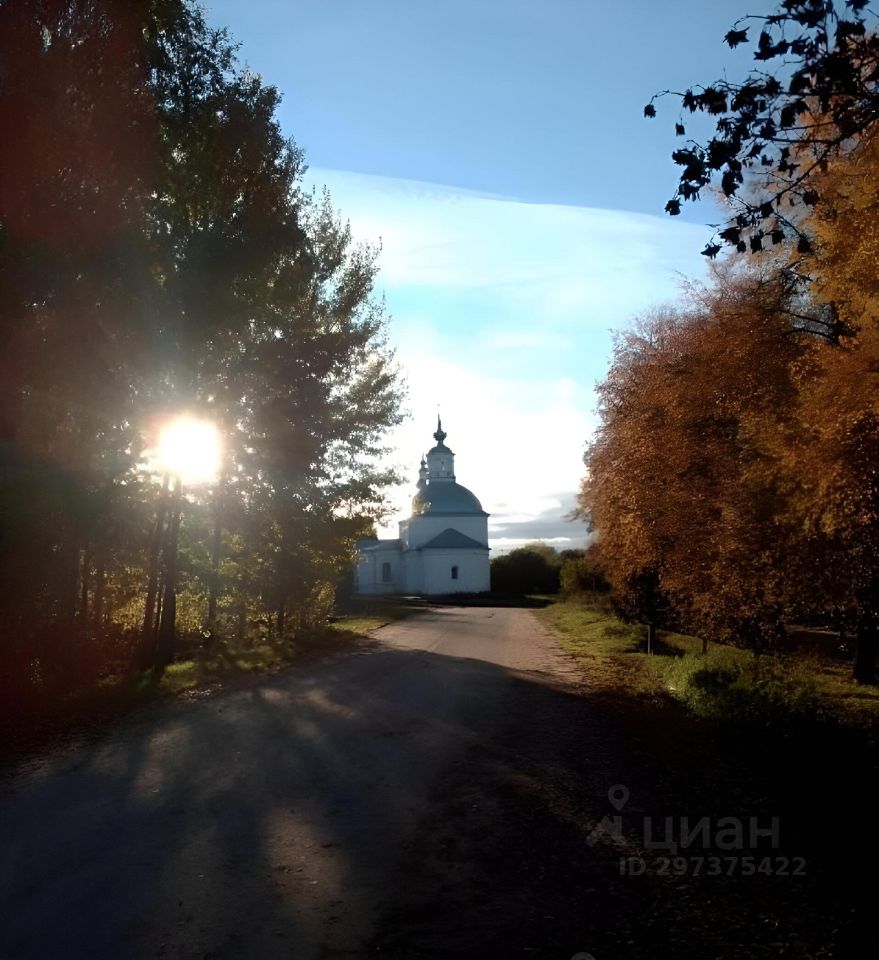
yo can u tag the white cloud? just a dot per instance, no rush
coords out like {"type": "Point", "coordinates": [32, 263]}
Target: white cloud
{"type": "Point", "coordinates": [569, 263]}
{"type": "Point", "coordinates": [511, 340]}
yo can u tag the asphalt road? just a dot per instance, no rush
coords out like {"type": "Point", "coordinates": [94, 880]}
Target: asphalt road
{"type": "Point", "coordinates": [265, 822]}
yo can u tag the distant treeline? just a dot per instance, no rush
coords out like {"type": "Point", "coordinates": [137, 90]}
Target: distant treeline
{"type": "Point", "coordinates": [538, 568]}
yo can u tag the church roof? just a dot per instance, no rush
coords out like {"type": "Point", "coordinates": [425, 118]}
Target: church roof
{"type": "Point", "coordinates": [446, 496]}
{"type": "Point", "coordinates": [453, 539]}
{"type": "Point", "coordinates": [373, 543]}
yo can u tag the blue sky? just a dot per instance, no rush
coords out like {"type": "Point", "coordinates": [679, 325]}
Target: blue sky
{"type": "Point", "coordinates": [497, 150]}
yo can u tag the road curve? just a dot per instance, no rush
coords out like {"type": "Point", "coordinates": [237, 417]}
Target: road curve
{"type": "Point", "coordinates": [265, 822]}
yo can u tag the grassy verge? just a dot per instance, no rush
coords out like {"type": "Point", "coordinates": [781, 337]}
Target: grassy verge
{"type": "Point", "coordinates": [369, 613]}
{"type": "Point", "coordinates": [608, 648]}
{"type": "Point", "coordinates": [724, 683]}
{"type": "Point", "coordinates": [203, 672]}
{"type": "Point", "coordinates": [211, 668]}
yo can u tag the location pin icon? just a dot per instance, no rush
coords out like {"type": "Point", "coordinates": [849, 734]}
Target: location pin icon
{"type": "Point", "coordinates": [618, 796]}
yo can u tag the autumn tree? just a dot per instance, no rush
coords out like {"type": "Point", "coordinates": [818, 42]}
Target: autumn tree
{"type": "Point", "coordinates": [682, 484]}
{"type": "Point", "coordinates": [839, 489]}
{"type": "Point", "coordinates": [794, 154]}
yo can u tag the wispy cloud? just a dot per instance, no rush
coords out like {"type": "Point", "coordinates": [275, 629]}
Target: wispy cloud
{"type": "Point", "coordinates": [577, 264]}
{"type": "Point", "coordinates": [502, 317]}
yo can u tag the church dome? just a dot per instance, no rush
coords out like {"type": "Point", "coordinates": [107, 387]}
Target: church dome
{"type": "Point", "coordinates": [448, 497]}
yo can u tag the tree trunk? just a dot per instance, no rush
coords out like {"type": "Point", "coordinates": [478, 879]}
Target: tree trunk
{"type": "Point", "coordinates": [60, 649]}
{"type": "Point", "coordinates": [704, 645]}
{"type": "Point", "coordinates": [167, 638]}
{"type": "Point", "coordinates": [281, 617]}
{"type": "Point", "coordinates": [85, 577]}
{"type": "Point", "coordinates": [98, 602]}
{"type": "Point", "coordinates": [865, 655]}
{"type": "Point", "coordinates": [651, 637]}
{"type": "Point", "coordinates": [866, 646]}
{"type": "Point", "coordinates": [69, 585]}
{"type": "Point", "coordinates": [867, 634]}
{"type": "Point", "coordinates": [216, 550]}
{"type": "Point", "coordinates": [147, 652]}
{"type": "Point", "coordinates": [154, 635]}
{"type": "Point", "coordinates": [242, 622]}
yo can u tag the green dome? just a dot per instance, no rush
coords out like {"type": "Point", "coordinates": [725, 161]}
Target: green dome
{"type": "Point", "coordinates": [445, 497]}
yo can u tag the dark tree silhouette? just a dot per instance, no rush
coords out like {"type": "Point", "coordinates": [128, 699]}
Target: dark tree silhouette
{"type": "Point", "coordinates": [814, 95]}
{"type": "Point", "coordinates": [158, 255]}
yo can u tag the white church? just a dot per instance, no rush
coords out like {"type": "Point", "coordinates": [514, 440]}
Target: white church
{"type": "Point", "coordinates": [442, 548]}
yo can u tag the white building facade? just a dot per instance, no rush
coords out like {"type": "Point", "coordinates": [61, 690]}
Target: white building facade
{"type": "Point", "coordinates": [442, 548]}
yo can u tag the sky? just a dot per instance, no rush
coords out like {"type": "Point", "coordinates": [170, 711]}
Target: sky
{"type": "Point", "coordinates": [497, 151]}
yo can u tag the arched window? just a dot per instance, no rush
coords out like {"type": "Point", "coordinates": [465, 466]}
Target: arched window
{"type": "Point", "coordinates": [454, 573]}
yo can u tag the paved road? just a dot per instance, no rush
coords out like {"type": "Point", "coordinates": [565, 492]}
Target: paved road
{"type": "Point", "coordinates": [265, 822]}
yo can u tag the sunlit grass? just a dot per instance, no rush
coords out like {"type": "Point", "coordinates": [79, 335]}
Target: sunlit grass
{"type": "Point", "coordinates": [366, 615]}
{"type": "Point", "coordinates": [215, 666]}
{"type": "Point", "coordinates": [201, 671]}
{"type": "Point", "coordinates": [589, 631]}
{"type": "Point", "coordinates": [723, 682]}
{"type": "Point", "coordinates": [609, 649]}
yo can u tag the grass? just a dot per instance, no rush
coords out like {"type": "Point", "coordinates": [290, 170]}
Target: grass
{"type": "Point", "coordinates": [205, 670]}
{"type": "Point", "coordinates": [729, 680]}
{"type": "Point", "coordinates": [723, 683]}
{"type": "Point", "coordinates": [200, 672]}
{"type": "Point", "coordinates": [367, 614]}
{"type": "Point", "coordinates": [609, 648]}
{"type": "Point", "coordinates": [211, 668]}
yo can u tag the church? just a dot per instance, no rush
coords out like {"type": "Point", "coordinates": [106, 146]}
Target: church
{"type": "Point", "coordinates": [442, 547]}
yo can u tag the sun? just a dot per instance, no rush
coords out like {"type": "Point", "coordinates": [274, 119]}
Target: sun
{"type": "Point", "coordinates": [190, 449]}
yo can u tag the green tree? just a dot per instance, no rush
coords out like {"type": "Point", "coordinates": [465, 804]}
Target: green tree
{"type": "Point", "coordinates": [579, 574]}
{"type": "Point", "coordinates": [157, 255]}
{"type": "Point", "coordinates": [533, 568]}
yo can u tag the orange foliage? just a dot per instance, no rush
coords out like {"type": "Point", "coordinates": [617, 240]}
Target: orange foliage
{"type": "Point", "coordinates": [698, 410]}
{"type": "Point", "coordinates": [737, 464]}
{"type": "Point", "coordinates": [840, 484]}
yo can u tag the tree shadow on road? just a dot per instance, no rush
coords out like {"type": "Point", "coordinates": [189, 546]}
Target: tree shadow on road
{"type": "Point", "coordinates": [402, 804]}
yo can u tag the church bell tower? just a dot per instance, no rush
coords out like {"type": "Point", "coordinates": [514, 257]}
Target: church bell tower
{"type": "Point", "coordinates": [440, 459]}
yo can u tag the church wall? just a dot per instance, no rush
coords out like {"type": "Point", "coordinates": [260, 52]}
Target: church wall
{"type": "Point", "coordinates": [413, 571]}
{"type": "Point", "coordinates": [370, 569]}
{"type": "Point", "coordinates": [425, 528]}
{"type": "Point", "coordinates": [473, 572]}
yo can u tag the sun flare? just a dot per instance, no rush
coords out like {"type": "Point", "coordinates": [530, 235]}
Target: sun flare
{"type": "Point", "coordinates": [191, 449]}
